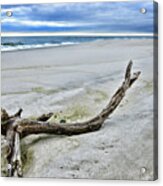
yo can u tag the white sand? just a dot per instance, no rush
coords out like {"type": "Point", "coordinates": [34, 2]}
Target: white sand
{"type": "Point", "coordinates": [85, 76]}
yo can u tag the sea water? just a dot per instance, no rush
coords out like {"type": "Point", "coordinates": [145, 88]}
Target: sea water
{"type": "Point", "coordinates": [32, 42]}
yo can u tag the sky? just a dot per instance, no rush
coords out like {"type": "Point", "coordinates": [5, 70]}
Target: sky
{"type": "Point", "coordinates": [99, 17]}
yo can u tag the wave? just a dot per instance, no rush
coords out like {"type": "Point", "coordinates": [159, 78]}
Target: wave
{"type": "Point", "coordinates": [20, 46]}
{"type": "Point", "coordinates": [25, 43]}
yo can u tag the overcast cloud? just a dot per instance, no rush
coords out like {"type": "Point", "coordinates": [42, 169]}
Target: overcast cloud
{"type": "Point", "coordinates": [108, 17]}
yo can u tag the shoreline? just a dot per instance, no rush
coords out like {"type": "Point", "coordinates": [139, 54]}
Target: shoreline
{"type": "Point", "coordinates": [80, 43]}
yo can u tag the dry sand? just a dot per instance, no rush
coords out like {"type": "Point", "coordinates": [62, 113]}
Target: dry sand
{"type": "Point", "coordinates": [79, 80]}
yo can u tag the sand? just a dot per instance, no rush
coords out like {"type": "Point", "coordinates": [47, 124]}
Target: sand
{"type": "Point", "coordinates": [76, 82]}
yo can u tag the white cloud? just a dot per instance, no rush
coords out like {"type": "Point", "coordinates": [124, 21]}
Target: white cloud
{"type": "Point", "coordinates": [42, 23]}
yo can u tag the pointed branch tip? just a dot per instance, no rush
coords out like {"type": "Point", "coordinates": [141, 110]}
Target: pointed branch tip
{"type": "Point", "coordinates": [128, 70]}
{"type": "Point", "coordinates": [18, 114]}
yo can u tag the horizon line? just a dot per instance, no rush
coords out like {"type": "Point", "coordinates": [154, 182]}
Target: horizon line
{"type": "Point", "coordinates": [12, 34]}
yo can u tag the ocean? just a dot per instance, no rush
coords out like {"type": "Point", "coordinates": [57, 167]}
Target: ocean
{"type": "Point", "coordinates": [33, 42]}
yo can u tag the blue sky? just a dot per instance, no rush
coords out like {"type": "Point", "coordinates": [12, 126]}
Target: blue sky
{"type": "Point", "coordinates": [108, 17]}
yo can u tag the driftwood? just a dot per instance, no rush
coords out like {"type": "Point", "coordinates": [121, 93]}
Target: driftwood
{"type": "Point", "coordinates": [14, 128]}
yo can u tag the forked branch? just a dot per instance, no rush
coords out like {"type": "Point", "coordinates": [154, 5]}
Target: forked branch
{"type": "Point", "coordinates": [15, 128]}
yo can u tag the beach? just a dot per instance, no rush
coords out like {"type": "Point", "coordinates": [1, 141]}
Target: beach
{"type": "Point", "coordinates": [76, 82]}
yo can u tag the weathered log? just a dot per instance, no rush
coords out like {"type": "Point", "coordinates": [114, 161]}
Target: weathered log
{"type": "Point", "coordinates": [14, 156]}
{"type": "Point", "coordinates": [14, 128]}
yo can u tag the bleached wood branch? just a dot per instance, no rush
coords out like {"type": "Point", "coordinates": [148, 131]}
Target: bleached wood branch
{"type": "Point", "coordinates": [15, 128]}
